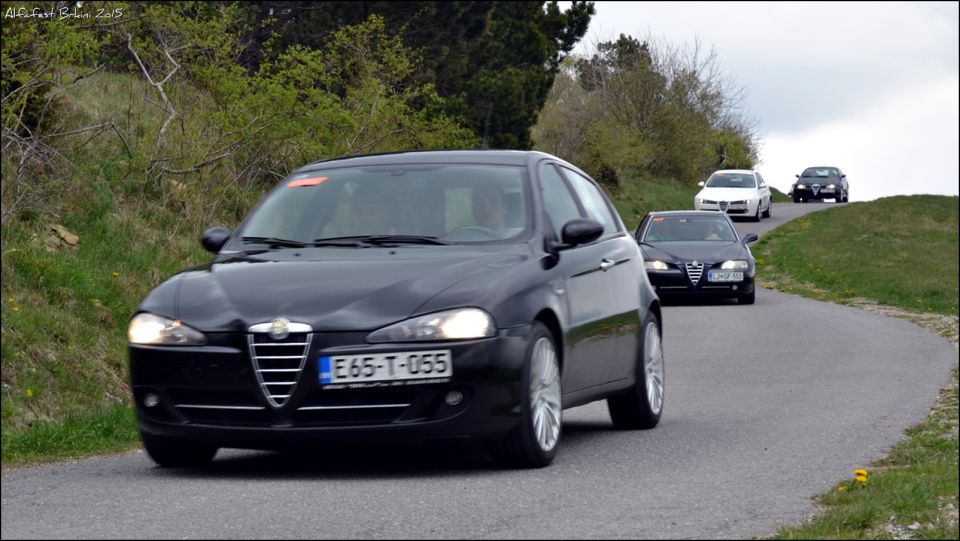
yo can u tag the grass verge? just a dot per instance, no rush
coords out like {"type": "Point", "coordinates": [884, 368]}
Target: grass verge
{"type": "Point", "coordinates": [912, 492]}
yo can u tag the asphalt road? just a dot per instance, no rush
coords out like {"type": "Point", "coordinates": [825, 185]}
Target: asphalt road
{"type": "Point", "coordinates": [766, 406]}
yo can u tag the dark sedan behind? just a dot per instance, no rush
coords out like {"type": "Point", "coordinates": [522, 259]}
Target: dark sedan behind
{"type": "Point", "coordinates": [697, 253]}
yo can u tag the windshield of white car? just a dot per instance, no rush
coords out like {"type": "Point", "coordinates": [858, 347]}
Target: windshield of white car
{"type": "Point", "coordinates": [731, 180]}
{"type": "Point", "coordinates": [688, 228]}
{"type": "Point", "coordinates": [394, 205]}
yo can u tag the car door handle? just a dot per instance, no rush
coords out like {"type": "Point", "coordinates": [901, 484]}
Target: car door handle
{"type": "Point", "coordinates": [606, 264]}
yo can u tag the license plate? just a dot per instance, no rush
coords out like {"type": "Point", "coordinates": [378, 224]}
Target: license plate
{"type": "Point", "coordinates": [409, 365]}
{"type": "Point", "coordinates": [724, 276]}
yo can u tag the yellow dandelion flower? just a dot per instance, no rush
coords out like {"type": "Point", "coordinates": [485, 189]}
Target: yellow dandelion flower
{"type": "Point", "coordinates": [841, 489]}
{"type": "Point", "coordinates": [116, 275]}
{"type": "Point", "coordinates": [16, 308]}
{"type": "Point", "coordinates": [861, 476]}
{"type": "Point", "coordinates": [29, 393]}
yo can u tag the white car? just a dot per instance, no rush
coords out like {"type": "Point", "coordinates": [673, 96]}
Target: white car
{"type": "Point", "coordinates": [738, 192]}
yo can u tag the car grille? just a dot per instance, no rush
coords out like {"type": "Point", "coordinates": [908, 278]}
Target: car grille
{"type": "Point", "coordinates": [694, 271]}
{"type": "Point", "coordinates": [278, 363]}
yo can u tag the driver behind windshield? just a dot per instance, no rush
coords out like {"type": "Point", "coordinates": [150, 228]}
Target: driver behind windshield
{"type": "Point", "coordinates": [490, 210]}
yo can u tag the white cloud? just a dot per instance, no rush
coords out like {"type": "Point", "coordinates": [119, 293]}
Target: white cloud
{"type": "Point", "coordinates": [868, 86]}
{"type": "Point", "coordinates": [903, 143]}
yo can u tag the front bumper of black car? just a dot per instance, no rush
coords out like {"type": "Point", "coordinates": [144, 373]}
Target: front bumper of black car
{"type": "Point", "coordinates": [675, 281]}
{"type": "Point", "coordinates": [823, 193]}
{"type": "Point", "coordinates": [211, 394]}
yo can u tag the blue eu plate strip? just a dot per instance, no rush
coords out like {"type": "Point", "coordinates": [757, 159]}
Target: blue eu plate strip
{"type": "Point", "coordinates": [326, 375]}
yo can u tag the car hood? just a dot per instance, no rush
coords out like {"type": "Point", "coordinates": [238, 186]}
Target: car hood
{"type": "Point", "coordinates": [708, 252]}
{"type": "Point", "coordinates": [331, 289]}
{"type": "Point", "coordinates": [727, 194]}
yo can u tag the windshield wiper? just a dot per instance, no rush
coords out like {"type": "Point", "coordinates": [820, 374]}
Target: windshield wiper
{"type": "Point", "coordinates": [405, 239]}
{"type": "Point", "coordinates": [275, 242]}
{"type": "Point", "coordinates": [377, 240]}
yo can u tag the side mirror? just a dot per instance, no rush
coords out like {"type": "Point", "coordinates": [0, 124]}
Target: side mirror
{"type": "Point", "coordinates": [798, 176]}
{"type": "Point", "coordinates": [752, 237]}
{"type": "Point", "coordinates": [581, 231]}
{"type": "Point", "coordinates": [214, 238]}
{"type": "Point", "coordinates": [701, 183]}
{"type": "Point", "coordinates": [843, 176]}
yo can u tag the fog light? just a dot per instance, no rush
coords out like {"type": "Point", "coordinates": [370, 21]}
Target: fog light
{"type": "Point", "coordinates": [734, 288]}
{"type": "Point", "coordinates": [453, 398]}
{"type": "Point", "coordinates": [151, 400]}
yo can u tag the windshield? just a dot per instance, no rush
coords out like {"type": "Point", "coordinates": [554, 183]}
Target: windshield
{"type": "Point", "coordinates": [819, 172]}
{"type": "Point", "coordinates": [731, 180]}
{"type": "Point", "coordinates": [455, 203]}
{"type": "Point", "coordinates": [687, 228]}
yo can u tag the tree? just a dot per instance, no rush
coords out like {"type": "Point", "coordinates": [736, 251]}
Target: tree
{"type": "Point", "coordinates": [492, 62]}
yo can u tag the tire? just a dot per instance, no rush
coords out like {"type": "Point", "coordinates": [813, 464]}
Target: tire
{"type": "Point", "coordinates": [749, 298]}
{"type": "Point", "coordinates": [756, 217]}
{"type": "Point", "coordinates": [796, 199]}
{"type": "Point", "coordinates": [177, 453]}
{"type": "Point", "coordinates": [533, 443]}
{"type": "Point", "coordinates": [642, 405]}
{"type": "Point", "coordinates": [766, 213]}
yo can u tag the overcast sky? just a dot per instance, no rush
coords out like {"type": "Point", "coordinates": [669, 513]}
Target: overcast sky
{"type": "Point", "coordinates": [870, 87]}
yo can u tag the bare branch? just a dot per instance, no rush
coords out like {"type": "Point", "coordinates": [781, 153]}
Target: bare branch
{"type": "Point", "coordinates": [171, 112]}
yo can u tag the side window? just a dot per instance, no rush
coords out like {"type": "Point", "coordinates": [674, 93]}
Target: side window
{"type": "Point", "coordinates": [558, 202]}
{"type": "Point", "coordinates": [762, 183]}
{"type": "Point", "coordinates": [593, 201]}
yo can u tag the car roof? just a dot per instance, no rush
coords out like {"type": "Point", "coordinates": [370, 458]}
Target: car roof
{"type": "Point", "coordinates": [492, 157]}
{"type": "Point", "coordinates": [686, 213]}
{"type": "Point", "coordinates": [740, 171]}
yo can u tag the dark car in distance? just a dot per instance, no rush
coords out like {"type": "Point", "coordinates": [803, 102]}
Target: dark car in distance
{"type": "Point", "coordinates": [412, 295]}
{"type": "Point", "coordinates": [819, 183]}
{"type": "Point", "coordinates": [697, 253]}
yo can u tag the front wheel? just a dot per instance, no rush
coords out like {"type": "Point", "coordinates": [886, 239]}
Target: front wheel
{"type": "Point", "coordinates": [769, 210]}
{"type": "Point", "coordinates": [177, 453]}
{"type": "Point", "coordinates": [642, 405]}
{"type": "Point", "coordinates": [749, 298]}
{"type": "Point", "coordinates": [533, 444]}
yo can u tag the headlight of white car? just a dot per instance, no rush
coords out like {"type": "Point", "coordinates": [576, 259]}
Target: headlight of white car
{"type": "Point", "coordinates": [149, 329]}
{"type": "Point", "coordinates": [460, 324]}
{"type": "Point", "coordinates": [735, 264]}
{"type": "Point", "coordinates": [655, 265]}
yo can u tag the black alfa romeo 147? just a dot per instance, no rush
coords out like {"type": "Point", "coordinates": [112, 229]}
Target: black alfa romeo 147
{"type": "Point", "coordinates": [413, 295]}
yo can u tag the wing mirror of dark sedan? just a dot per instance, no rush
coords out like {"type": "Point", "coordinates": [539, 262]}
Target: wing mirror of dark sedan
{"type": "Point", "coordinates": [798, 176]}
{"type": "Point", "coordinates": [580, 231]}
{"type": "Point", "coordinates": [752, 237]}
{"type": "Point", "coordinates": [214, 238]}
{"type": "Point", "coordinates": [843, 176]}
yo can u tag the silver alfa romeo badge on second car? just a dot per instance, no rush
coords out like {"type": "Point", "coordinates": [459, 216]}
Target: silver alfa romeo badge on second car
{"type": "Point", "coordinates": [279, 328]}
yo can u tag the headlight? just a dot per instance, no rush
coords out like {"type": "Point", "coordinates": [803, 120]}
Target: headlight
{"type": "Point", "coordinates": [460, 324]}
{"type": "Point", "coordinates": [654, 265]}
{"type": "Point", "coordinates": [155, 330]}
{"type": "Point", "coordinates": [735, 264]}
{"type": "Point", "coordinates": [801, 186]}
{"type": "Point", "coordinates": [831, 186]}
